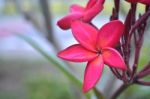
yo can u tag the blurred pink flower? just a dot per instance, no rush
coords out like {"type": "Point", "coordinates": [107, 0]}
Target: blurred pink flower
{"type": "Point", "coordinates": [147, 2]}
{"type": "Point", "coordinates": [96, 47]}
{"type": "Point", "coordinates": [77, 12]}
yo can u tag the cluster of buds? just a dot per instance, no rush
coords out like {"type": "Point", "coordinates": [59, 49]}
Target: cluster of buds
{"type": "Point", "coordinates": [109, 44]}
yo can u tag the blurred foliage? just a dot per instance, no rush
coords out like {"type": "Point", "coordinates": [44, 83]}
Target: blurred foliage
{"type": "Point", "coordinates": [145, 55]}
{"type": "Point", "coordinates": [136, 92]}
{"type": "Point", "coordinates": [36, 80]}
{"type": "Point", "coordinates": [59, 7]}
{"type": "Point", "coordinates": [9, 9]}
{"type": "Point", "coordinates": [48, 89]}
{"type": "Point", "coordinates": [6, 95]}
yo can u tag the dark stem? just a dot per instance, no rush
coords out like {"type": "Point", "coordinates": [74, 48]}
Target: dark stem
{"type": "Point", "coordinates": [147, 8]}
{"type": "Point", "coordinates": [133, 11]}
{"type": "Point", "coordinates": [117, 8]}
{"type": "Point", "coordinates": [141, 20]}
{"type": "Point", "coordinates": [144, 72]}
{"type": "Point", "coordinates": [130, 20]}
{"type": "Point", "coordinates": [115, 11]}
{"type": "Point", "coordinates": [120, 90]}
{"type": "Point", "coordinates": [138, 44]}
{"type": "Point", "coordinates": [144, 83]}
{"type": "Point", "coordinates": [126, 47]}
{"type": "Point", "coordinates": [115, 73]}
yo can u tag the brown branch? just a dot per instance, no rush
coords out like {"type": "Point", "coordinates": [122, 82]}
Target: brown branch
{"type": "Point", "coordinates": [144, 83]}
{"type": "Point", "coordinates": [144, 72]}
{"type": "Point", "coordinates": [115, 73]}
{"type": "Point", "coordinates": [141, 20]}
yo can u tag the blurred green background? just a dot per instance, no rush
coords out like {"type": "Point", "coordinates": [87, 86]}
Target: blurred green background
{"type": "Point", "coordinates": [26, 74]}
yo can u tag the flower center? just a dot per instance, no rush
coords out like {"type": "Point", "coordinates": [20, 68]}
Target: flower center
{"type": "Point", "coordinates": [99, 51]}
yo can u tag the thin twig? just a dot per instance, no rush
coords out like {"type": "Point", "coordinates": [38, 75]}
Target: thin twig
{"type": "Point", "coordinates": [143, 74]}
{"type": "Point", "coordinates": [114, 72]}
{"type": "Point", "coordinates": [141, 20]}
{"type": "Point", "coordinates": [144, 83]}
{"type": "Point", "coordinates": [138, 44]}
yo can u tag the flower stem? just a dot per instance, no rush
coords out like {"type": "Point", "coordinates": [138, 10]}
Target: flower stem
{"type": "Point", "coordinates": [144, 83]}
{"type": "Point", "coordinates": [147, 66]}
{"type": "Point", "coordinates": [141, 20]}
{"type": "Point", "coordinates": [143, 74]}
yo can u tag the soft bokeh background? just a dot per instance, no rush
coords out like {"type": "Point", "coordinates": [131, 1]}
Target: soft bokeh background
{"type": "Point", "coordinates": [26, 74]}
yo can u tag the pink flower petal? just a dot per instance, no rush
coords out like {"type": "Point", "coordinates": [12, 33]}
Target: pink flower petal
{"type": "Point", "coordinates": [92, 9]}
{"type": "Point", "coordinates": [113, 58]}
{"type": "Point", "coordinates": [77, 53]}
{"type": "Point", "coordinates": [140, 1]}
{"type": "Point", "coordinates": [85, 34]}
{"type": "Point", "coordinates": [132, 1]}
{"type": "Point", "coordinates": [93, 73]}
{"type": "Point", "coordinates": [65, 22]}
{"type": "Point", "coordinates": [90, 4]}
{"type": "Point", "coordinates": [145, 2]}
{"type": "Point", "coordinates": [76, 8]}
{"type": "Point", "coordinates": [110, 34]}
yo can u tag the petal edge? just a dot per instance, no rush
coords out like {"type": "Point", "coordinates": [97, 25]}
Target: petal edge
{"type": "Point", "coordinates": [85, 34]}
{"type": "Point", "coordinates": [113, 58]}
{"type": "Point", "coordinates": [110, 33]}
{"type": "Point", "coordinates": [76, 8]}
{"type": "Point", "coordinates": [77, 53]}
{"type": "Point", "coordinates": [65, 22]}
{"type": "Point", "coordinates": [93, 73]}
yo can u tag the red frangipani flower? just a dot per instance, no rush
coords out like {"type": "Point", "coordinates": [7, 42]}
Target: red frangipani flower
{"type": "Point", "coordinates": [77, 12]}
{"type": "Point", "coordinates": [96, 47]}
{"type": "Point", "coordinates": [140, 1]}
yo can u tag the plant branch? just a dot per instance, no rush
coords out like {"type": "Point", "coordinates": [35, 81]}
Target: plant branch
{"type": "Point", "coordinates": [115, 73]}
{"type": "Point", "coordinates": [144, 72]}
{"type": "Point", "coordinates": [144, 83]}
{"type": "Point", "coordinates": [141, 20]}
{"type": "Point", "coordinates": [139, 44]}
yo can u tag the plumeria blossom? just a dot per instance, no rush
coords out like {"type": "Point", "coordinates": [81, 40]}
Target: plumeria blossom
{"type": "Point", "coordinates": [96, 48]}
{"type": "Point", "coordinates": [78, 12]}
{"type": "Point", "coordinates": [140, 1]}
